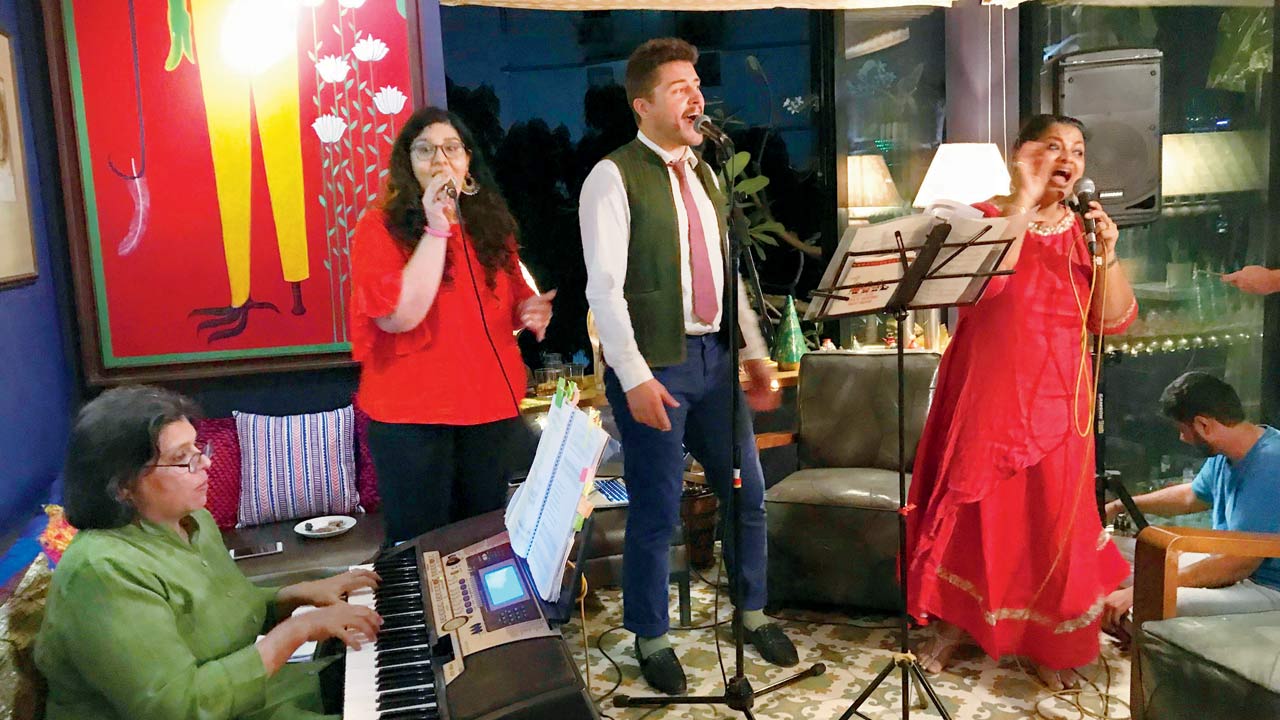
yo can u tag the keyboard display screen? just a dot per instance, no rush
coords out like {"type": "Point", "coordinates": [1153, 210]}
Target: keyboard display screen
{"type": "Point", "coordinates": [502, 585]}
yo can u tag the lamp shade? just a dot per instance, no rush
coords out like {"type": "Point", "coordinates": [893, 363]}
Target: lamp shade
{"type": "Point", "coordinates": [1212, 162]}
{"type": "Point", "coordinates": [871, 188]}
{"type": "Point", "coordinates": [965, 173]}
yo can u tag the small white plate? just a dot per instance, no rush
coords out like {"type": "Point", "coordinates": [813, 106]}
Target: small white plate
{"type": "Point", "coordinates": [326, 526]}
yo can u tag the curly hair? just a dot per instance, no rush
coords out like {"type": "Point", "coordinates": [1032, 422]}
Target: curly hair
{"type": "Point", "coordinates": [485, 215]}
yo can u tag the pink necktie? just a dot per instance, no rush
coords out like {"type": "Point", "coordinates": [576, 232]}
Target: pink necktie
{"type": "Point", "coordinates": [704, 285]}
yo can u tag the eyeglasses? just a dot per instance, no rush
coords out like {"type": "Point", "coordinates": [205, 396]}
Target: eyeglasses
{"type": "Point", "coordinates": [193, 465]}
{"type": "Point", "coordinates": [453, 150]}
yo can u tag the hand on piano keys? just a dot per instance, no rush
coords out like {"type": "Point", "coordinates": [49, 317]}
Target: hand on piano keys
{"type": "Point", "coordinates": [392, 678]}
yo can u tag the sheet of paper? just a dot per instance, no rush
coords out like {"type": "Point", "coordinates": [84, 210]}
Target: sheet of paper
{"type": "Point", "coordinates": [541, 517]}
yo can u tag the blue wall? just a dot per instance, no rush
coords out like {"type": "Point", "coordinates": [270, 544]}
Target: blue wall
{"type": "Point", "coordinates": [37, 380]}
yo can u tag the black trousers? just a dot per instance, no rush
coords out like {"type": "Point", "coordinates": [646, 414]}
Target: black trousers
{"type": "Point", "coordinates": [433, 475]}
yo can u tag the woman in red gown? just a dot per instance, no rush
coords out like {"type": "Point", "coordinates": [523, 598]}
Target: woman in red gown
{"type": "Point", "coordinates": [1005, 542]}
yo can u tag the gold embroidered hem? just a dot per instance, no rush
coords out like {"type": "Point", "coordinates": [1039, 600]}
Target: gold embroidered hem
{"type": "Point", "coordinates": [1125, 318]}
{"type": "Point", "coordinates": [992, 617]}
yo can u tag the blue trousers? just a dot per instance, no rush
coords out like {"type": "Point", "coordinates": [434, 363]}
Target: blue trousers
{"type": "Point", "coordinates": [653, 464]}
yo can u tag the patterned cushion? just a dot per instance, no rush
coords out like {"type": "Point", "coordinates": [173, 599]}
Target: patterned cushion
{"type": "Point", "coordinates": [296, 466]}
{"type": "Point", "coordinates": [224, 473]}
{"type": "Point", "coordinates": [366, 476]}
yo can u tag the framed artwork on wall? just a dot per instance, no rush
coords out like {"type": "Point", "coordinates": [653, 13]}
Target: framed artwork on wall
{"type": "Point", "coordinates": [17, 241]}
{"type": "Point", "coordinates": [216, 156]}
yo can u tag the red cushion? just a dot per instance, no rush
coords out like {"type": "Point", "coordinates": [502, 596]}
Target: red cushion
{"type": "Point", "coordinates": [366, 476]}
{"type": "Point", "coordinates": [224, 473]}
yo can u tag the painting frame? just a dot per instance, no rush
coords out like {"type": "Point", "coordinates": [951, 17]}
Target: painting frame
{"type": "Point", "coordinates": [18, 259]}
{"type": "Point", "coordinates": [89, 319]}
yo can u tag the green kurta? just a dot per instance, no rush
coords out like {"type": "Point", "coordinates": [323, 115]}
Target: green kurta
{"type": "Point", "coordinates": [141, 624]}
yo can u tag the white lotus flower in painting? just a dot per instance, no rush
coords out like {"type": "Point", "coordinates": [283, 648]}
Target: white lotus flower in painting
{"type": "Point", "coordinates": [351, 4]}
{"type": "Point", "coordinates": [389, 100]}
{"type": "Point", "coordinates": [329, 128]}
{"type": "Point", "coordinates": [369, 48]}
{"type": "Point", "coordinates": [332, 68]}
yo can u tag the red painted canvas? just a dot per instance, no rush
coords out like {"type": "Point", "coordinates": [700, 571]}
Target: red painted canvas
{"type": "Point", "coordinates": [226, 148]}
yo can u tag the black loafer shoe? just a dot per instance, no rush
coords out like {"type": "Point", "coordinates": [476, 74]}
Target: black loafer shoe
{"type": "Point", "coordinates": [773, 645]}
{"type": "Point", "coordinates": [663, 672]}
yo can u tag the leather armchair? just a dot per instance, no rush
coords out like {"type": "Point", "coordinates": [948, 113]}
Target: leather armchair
{"type": "Point", "coordinates": [1197, 667]}
{"type": "Point", "coordinates": [833, 528]}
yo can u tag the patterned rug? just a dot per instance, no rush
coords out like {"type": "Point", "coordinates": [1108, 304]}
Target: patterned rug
{"type": "Point", "coordinates": [854, 650]}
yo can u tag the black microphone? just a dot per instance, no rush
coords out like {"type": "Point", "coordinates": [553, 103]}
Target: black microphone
{"type": "Point", "coordinates": [709, 130]}
{"type": "Point", "coordinates": [1086, 192]}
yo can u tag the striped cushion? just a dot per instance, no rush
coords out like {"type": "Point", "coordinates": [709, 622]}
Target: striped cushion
{"type": "Point", "coordinates": [296, 466]}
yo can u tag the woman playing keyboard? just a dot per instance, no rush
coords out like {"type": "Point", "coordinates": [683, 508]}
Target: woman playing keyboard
{"type": "Point", "coordinates": [148, 616]}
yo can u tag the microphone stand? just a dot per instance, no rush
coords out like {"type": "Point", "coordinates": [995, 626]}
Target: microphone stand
{"type": "Point", "coordinates": [738, 694]}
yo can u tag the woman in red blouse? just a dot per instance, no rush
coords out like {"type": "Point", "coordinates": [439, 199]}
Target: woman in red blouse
{"type": "Point", "coordinates": [436, 298]}
{"type": "Point", "coordinates": [1006, 545]}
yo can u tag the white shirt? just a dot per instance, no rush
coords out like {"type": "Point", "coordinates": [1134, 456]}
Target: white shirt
{"type": "Point", "coordinates": [605, 219]}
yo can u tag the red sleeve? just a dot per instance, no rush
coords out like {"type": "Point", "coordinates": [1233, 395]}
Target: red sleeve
{"type": "Point", "coordinates": [1117, 326]}
{"type": "Point", "coordinates": [520, 290]}
{"type": "Point", "coordinates": [377, 271]}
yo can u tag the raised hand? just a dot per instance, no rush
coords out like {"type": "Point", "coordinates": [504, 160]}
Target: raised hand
{"type": "Point", "coordinates": [1107, 231]}
{"type": "Point", "coordinates": [437, 203]}
{"type": "Point", "coordinates": [1032, 168]}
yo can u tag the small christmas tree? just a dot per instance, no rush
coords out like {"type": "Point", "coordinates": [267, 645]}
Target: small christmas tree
{"type": "Point", "coordinates": [790, 344]}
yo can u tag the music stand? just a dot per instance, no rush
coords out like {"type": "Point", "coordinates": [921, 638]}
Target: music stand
{"type": "Point", "coordinates": [898, 267]}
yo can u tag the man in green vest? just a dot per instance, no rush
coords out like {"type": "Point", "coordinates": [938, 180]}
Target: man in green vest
{"type": "Point", "coordinates": [653, 223]}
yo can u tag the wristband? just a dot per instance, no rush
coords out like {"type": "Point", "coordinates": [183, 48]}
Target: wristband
{"type": "Point", "coordinates": [437, 233]}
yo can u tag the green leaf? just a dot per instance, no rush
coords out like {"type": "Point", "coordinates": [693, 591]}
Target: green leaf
{"type": "Point", "coordinates": [381, 129]}
{"type": "Point", "coordinates": [752, 185]}
{"type": "Point", "coordinates": [772, 226]}
{"type": "Point", "coordinates": [326, 264]}
{"type": "Point", "coordinates": [367, 127]}
{"type": "Point", "coordinates": [347, 85]}
{"type": "Point", "coordinates": [323, 202]}
{"type": "Point", "coordinates": [371, 167]}
{"type": "Point", "coordinates": [738, 163]}
{"type": "Point", "coordinates": [337, 30]}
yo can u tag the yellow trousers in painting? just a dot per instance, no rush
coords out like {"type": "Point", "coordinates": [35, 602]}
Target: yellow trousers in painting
{"type": "Point", "coordinates": [229, 95]}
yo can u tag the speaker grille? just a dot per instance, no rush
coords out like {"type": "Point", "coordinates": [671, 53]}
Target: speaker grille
{"type": "Point", "coordinates": [1116, 94]}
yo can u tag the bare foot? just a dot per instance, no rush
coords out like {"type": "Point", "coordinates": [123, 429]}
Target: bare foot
{"type": "Point", "coordinates": [936, 652]}
{"type": "Point", "coordinates": [1058, 680]}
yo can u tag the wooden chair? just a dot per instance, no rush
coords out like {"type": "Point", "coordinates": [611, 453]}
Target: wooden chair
{"type": "Point", "coordinates": [1155, 578]}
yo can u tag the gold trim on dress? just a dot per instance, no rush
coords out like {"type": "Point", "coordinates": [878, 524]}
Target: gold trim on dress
{"type": "Point", "coordinates": [992, 617]}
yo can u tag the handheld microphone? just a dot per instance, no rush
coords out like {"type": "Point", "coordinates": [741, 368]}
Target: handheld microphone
{"type": "Point", "coordinates": [1087, 192]}
{"type": "Point", "coordinates": [451, 189]}
{"type": "Point", "coordinates": [709, 130]}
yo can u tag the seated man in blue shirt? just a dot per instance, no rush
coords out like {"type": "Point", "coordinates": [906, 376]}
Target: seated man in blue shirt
{"type": "Point", "coordinates": [1239, 483]}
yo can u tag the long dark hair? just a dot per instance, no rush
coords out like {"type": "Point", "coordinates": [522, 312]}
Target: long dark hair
{"type": "Point", "coordinates": [1036, 125]}
{"type": "Point", "coordinates": [485, 215]}
{"type": "Point", "coordinates": [113, 440]}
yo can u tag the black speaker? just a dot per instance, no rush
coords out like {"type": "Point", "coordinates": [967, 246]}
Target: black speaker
{"type": "Point", "coordinates": [1116, 94]}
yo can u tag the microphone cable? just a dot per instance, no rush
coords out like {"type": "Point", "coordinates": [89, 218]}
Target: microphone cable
{"type": "Point", "coordinates": [475, 288]}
